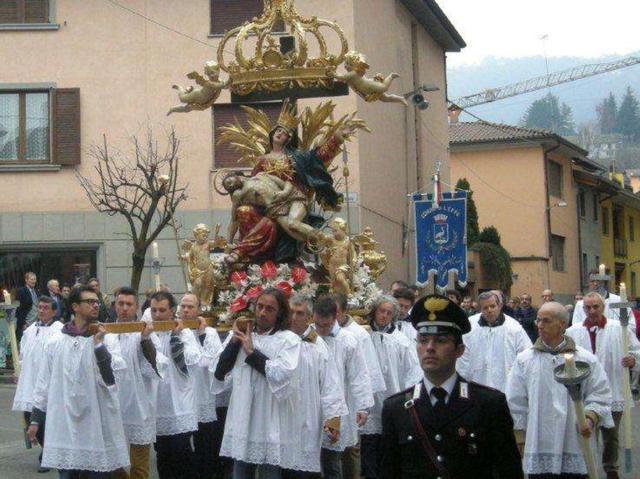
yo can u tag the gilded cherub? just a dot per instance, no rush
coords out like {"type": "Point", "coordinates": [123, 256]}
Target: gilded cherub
{"type": "Point", "coordinates": [338, 256]}
{"type": "Point", "coordinates": [202, 271]}
{"type": "Point", "coordinates": [204, 97]}
{"type": "Point", "coordinates": [369, 89]}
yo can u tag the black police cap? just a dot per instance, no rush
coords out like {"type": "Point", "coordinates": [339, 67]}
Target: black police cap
{"type": "Point", "coordinates": [436, 314]}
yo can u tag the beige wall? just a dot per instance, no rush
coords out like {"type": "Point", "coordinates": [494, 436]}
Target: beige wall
{"type": "Point", "coordinates": [388, 160]}
{"type": "Point", "coordinates": [508, 184]}
{"type": "Point", "coordinates": [125, 66]}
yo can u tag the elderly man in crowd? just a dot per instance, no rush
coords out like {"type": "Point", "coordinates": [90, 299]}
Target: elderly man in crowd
{"type": "Point", "coordinates": [526, 316]}
{"type": "Point", "coordinates": [543, 413]}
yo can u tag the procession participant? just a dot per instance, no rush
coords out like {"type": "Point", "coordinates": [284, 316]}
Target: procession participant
{"type": "Point", "coordinates": [603, 338]}
{"type": "Point", "coordinates": [261, 366]}
{"type": "Point", "coordinates": [492, 345]}
{"type": "Point", "coordinates": [541, 407]}
{"type": "Point", "coordinates": [138, 385]}
{"type": "Point", "coordinates": [176, 415]}
{"type": "Point", "coordinates": [319, 398]}
{"type": "Point", "coordinates": [399, 362]}
{"type": "Point", "coordinates": [32, 356]}
{"type": "Point", "coordinates": [600, 284]}
{"type": "Point", "coordinates": [405, 297]}
{"type": "Point", "coordinates": [445, 426]}
{"type": "Point", "coordinates": [547, 296]}
{"type": "Point", "coordinates": [354, 378]}
{"type": "Point", "coordinates": [203, 438]}
{"type": "Point", "coordinates": [76, 389]}
{"type": "Point", "coordinates": [351, 454]}
{"type": "Point", "coordinates": [53, 291]}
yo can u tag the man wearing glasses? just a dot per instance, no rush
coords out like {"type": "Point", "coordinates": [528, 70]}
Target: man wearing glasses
{"type": "Point", "coordinates": [76, 388]}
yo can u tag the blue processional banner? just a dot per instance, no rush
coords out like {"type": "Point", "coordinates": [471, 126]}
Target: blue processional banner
{"type": "Point", "coordinates": [441, 237]}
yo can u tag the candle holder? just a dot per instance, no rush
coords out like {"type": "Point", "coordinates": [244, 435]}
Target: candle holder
{"type": "Point", "coordinates": [573, 381]}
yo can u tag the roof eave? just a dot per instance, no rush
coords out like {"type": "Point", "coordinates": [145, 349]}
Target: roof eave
{"type": "Point", "coordinates": [434, 20]}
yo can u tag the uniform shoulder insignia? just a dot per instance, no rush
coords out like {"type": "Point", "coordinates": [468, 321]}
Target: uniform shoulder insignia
{"type": "Point", "coordinates": [401, 394]}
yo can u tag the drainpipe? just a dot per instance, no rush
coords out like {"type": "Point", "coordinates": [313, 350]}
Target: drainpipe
{"type": "Point", "coordinates": [548, 210]}
{"type": "Point", "coordinates": [580, 265]}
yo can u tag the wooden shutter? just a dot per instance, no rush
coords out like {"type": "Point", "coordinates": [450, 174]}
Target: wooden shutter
{"type": "Point", "coordinates": [66, 126]}
{"type": "Point", "coordinates": [228, 14]}
{"type": "Point", "coordinates": [9, 11]}
{"type": "Point", "coordinates": [36, 11]}
{"type": "Point", "coordinates": [225, 155]}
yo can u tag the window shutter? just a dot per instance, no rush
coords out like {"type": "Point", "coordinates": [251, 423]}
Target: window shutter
{"type": "Point", "coordinates": [228, 14]}
{"type": "Point", "coordinates": [66, 126]}
{"type": "Point", "coordinates": [225, 155]}
{"type": "Point", "coordinates": [9, 11]}
{"type": "Point", "coordinates": [36, 11]}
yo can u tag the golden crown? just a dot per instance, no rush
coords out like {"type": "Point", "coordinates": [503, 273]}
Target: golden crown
{"type": "Point", "coordinates": [288, 118]}
{"type": "Point", "coordinates": [272, 70]}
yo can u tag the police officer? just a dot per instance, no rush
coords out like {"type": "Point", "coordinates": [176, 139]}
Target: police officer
{"type": "Point", "coordinates": [446, 427]}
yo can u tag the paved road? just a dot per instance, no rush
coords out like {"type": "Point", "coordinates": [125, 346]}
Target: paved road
{"type": "Point", "coordinates": [18, 463]}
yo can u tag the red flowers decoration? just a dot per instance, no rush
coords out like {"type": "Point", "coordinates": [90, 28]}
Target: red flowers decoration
{"type": "Point", "coordinates": [237, 277]}
{"type": "Point", "coordinates": [298, 274]}
{"type": "Point", "coordinates": [253, 293]}
{"type": "Point", "coordinates": [268, 270]}
{"type": "Point", "coordinates": [285, 287]}
{"type": "Point", "coordinates": [239, 304]}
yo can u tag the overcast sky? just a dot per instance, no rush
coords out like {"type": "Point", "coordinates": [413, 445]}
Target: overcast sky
{"type": "Point", "coordinates": [513, 28]}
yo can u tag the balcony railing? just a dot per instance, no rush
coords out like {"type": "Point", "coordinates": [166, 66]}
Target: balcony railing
{"type": "Point", "coordinates": [620, 247]}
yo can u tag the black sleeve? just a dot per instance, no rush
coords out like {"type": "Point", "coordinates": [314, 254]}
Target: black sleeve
{"type": "Point", "coordinates": [391, 455]}
{"type": "Point", "coordinates": [38, 416]}
{"type": "Point", "coordinates": [502, 442]}
{"type": "Point", "coordinates": [257, 361]}
{"type": "Point", "coordinates": [202, 337]}
{"type": "Point", "coordinates": [103, 358]}
{"type": "Point", "coordinates": [227, 360]}
{"type": "Point", "coordinates": [149, 353]}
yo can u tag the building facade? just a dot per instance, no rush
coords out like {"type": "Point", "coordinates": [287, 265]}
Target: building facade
{"type": "Point", "coordinates": [523, 184]}
{"type": "Point", "coordinates": [93, 68]}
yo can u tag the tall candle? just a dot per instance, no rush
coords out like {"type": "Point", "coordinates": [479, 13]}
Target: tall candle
{"type": "Point", "coordinates": [623, 292]}
{"type": "Point", "coordinates": [7, 297]}
{"type": "Point", "coordinates": [602, 270]}
{"type": "Point", "coordinates": [154, 249]}
{"type": "Point", "coordinates": [570, 365]}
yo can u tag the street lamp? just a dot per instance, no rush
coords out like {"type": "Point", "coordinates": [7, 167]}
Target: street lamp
{"type": "Point", "coordinates": [417, 97]}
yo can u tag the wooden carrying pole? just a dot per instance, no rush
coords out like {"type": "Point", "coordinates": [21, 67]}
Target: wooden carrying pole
{"type": "Point", "coordinates": [138, 326]}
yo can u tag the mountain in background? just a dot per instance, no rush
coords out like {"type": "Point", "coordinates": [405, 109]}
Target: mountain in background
{"type": "Point", "coordinates": [582, 95]}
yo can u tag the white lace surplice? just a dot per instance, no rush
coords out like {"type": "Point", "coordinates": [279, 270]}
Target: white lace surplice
{"type": "Point", "coordinates": [205, 399]}
{"type": "Point", "coordinates": [317, 396]}
{"type": "Point", "coordinates": [260, 407]}
{"type": "Point", "coordinates": [400, 368]}
{"type": "Point", "coordinates": [138, 388]}
{"type": "Point", "coordinates": [609, 353]}
{"type": "Point", "coordinates": [345, 351]}
{"type": "Point", "coordinates": [491, 351]}
{"type": "Point", "coordinates": [542, 406]}
{"type": "Point", "coordinates": [610, 313]}
{"type": "Point", "coordinates": [176, 407]}
{"type": "Point", "coordinates": [84, 427]}
{"type": "Point", "coordinates": [370, 356]}
{"type": "Point", "coordinates": [32, 356]}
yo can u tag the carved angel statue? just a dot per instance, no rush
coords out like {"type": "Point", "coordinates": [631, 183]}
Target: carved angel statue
{"type": "Point", "coordinates": [338, 256]}
{"type": "Point", "coordinates": [369, 89]}
{"type": "Point", "coordinates": [204, 97]}
{"type": "Point", "coordinates": [302, 167]}
{"type": "Point", "coordinates": [202, 272]}
{"type": "Point", "coordinates": [366, 244]}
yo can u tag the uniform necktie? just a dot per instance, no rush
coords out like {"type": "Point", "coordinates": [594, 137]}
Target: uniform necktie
{"type": "Point", "coordinates": [440, 394]}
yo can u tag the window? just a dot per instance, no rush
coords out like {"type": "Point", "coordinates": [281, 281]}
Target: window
{"type": "Point", "coordinates": [605, 221]}
{"type": "Point", "coordinates": [228, 14]}
{"type": "Point", "coordinates": [557, 252]}
{"type": "Point", "coordinates": [555, 179]}
{"type": "Point", "coordinates": [24, 11]}
{"type": "Point", "coordinates": [40, 126]}
{"type": "Point", "coordinates": [632, 231]}
{"type": "Point", "coordinates": [582, 207]}
{"type": "Point", "coordinates": [224, 155]}
{"type": "Point", "coordinates": [69, 266]}
{"type": "Point", "coordinates": [596, 206]}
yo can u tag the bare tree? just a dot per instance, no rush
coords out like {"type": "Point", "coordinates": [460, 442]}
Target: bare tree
{"type": "Point", "coordinates": [143, 188]}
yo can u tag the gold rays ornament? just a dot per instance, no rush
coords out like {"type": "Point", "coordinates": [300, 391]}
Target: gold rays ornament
{"type": "Point", "coordinates": [433, 305]}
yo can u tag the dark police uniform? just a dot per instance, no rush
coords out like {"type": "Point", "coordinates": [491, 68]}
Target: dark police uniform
{"type": "Point", "coordinates": [469, 437]}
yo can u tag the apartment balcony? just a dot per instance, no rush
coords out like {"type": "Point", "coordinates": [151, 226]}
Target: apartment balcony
{"type": "Point", "coordinates": [620, 247]}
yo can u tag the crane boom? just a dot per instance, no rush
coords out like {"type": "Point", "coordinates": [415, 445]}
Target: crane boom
{"type": "Point", "coordinates": [544, 81]}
